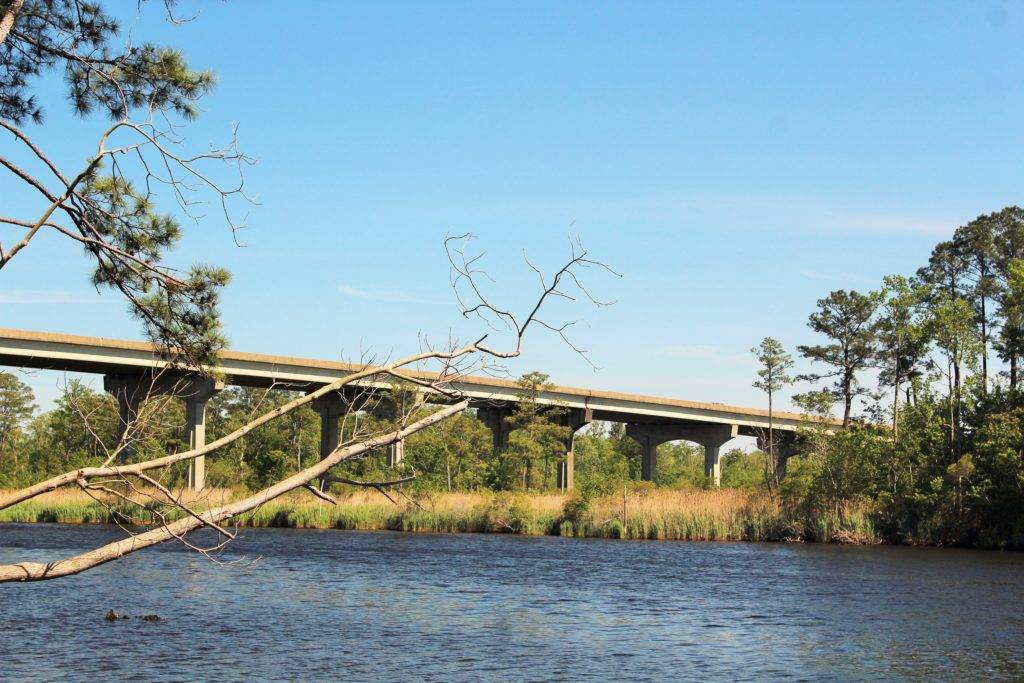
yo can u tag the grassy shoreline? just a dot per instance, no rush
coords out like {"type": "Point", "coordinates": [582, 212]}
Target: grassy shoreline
{"type": "Point", "coordinates": [727, 515]}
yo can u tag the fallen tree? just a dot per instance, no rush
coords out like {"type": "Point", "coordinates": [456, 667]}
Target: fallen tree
{"type": "Point", "coordinates": [36, 571]}
{"type": "Point", "coordinates": [107, 207]}
{"type": "Point", "coordinates": [122, 481]}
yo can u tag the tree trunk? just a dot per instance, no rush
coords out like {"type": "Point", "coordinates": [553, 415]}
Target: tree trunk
{"type": "Point", "coordinates": [773, 461]}
{"type": "Point", "coordinates": [956, 415]}
{"type": "Point", "coordinates": [896, 409]}
{"type": "Point", "coordinates": [7, 18]}
{"type": "Point", "coordinates": [847, 400]}
{"type": "Point", "coordinates": [1013, 370]}
{"type": "Point", "coordinates": [952, 413]}
{"type": "Point", "coordinates": [984, 346]}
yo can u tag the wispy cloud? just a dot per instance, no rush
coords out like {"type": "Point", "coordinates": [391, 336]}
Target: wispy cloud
{"type": "Point", "coordinates": [703, 352]}
{"type": "Point", "coordinates": [794, 213]}
{"type": "Point", "coordinates": [834, 276]}
{"type": "Point", "coordinates": [40, 297]}
{"type": "Point", "coordinates": [783, 214]}
{"type": "Point", "coordinates": [393, 296]}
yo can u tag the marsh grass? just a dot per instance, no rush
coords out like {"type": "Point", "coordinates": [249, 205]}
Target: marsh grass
{"type": "Point", "coordinates": [725, 515]}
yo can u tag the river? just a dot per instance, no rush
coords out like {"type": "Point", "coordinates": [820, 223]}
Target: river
{"type": "Point", "coordinates": [331, 605]}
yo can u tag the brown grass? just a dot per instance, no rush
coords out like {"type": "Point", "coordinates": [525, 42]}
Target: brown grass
{"type": "Point", "coordinates": [648, 513]}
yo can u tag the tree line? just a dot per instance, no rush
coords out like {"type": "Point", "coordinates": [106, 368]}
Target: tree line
{"type": "Point", "coordinates": [925, 373]}
{"type": "Point", "coordinates": [457, 455]}
{"type": "Point", "coordinates": [933, 361]}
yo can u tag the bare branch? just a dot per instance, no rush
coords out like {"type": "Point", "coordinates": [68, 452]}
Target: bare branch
{"type": "Point", "coordinates": [36, 571]}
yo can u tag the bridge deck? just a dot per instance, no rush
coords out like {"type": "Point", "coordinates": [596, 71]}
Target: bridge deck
{"type": "Point", "coordinates": [74, 353]}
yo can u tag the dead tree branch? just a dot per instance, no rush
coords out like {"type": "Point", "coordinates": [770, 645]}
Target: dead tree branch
{"type": "Point", "coordinates": [37, 571]}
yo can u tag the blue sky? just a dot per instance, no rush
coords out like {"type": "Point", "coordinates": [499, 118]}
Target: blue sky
{"type": "Point", "coordinates": [735, 161]}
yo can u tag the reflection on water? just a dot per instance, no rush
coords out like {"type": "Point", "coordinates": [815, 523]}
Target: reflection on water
{"type": "Point", "coordinates": [383, 606]}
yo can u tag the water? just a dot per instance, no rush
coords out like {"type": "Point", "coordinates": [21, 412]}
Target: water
{"type": "Point", "coordinates": [382, 606]}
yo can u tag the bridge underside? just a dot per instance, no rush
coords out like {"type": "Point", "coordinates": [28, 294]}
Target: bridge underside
{"type": "Point", "coordinates": [128, 368]}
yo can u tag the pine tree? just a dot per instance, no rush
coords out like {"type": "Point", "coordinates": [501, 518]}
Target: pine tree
{"type": "Point", "coordinates": [773, 377]}
{"type": "Point", "coordinates": [846, 318]}
{"type": "Point", "coordinates": [108, 206]}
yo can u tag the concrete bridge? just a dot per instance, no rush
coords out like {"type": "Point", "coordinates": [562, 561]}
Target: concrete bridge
{"type": "Point", "coordinates": [128, 368]}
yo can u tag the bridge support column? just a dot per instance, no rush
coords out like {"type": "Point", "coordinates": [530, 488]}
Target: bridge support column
{"type": "Point", "coordinates": [127, 391]}
{"type": "Point", "coordinates": [392, 406]}
{"type": "Point", "coordinates": [195, 428]}
{"type": "Point", "coordinates": [574, 419]}
{"type": "Point", "coordinates": [396, 453]}
{"type": "Point", "coordinates": [713, 464]}
{"type": "Point", "coordinates": [649, 436]}
{"type": "Point", "coordinates": [785, 447]}
{"type": "Point", "coordinates": [331, 406]}
{"type": "Point", "coordinates": [195, 390]}
{"type": "Point", "coordinates": [711, 436]}
{"type": "Point", "coordinates": [496, 419]}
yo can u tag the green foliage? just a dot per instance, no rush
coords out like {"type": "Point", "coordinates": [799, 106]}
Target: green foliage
{"type": "Point", "coordinates": [846, 318]}
{"type": "Point", "coordinates": [603, 459]}
{"type": "Point", "coordinates": [116, 222]}
{"type": "Point", "coordinates": [951, 467]}
{"type": "Point", "coordinates": [265, 468]}
{"type": "Point", "coordinates": [16, 407]}
{"type": "Point", "coordinates": [79, 39]}
{"type": "Point", "coordinates": [507, 513]}
{"type": "Point", "coordinates": [681, 465]}
{"type": "Point", "coordinates": [742, 470]}
{"type": "Point", "coordinates": [775, 365]}
{"type": "Point", "coordinates": [537, 441]}
{"type": "Point", "coordinates": [454, 456]}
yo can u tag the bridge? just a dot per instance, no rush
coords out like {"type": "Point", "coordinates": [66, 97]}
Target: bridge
{"type": "Point", "coordinates": [128, 368]}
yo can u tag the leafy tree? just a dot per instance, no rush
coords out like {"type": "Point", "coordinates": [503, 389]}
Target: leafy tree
{"type": "Point", "coordinates": [1009, 248]}
{"type": "Point", "coordinates": [743, 470]}
{"type": "Point", "coordinates": [601, 467]}
{"type": "Point", "coordinates": [627, 446]}
{"type": "Point", "coordinates": [536, 440]}
{"type": "Point", "coordinates": [453, 456]}
{"type": "Point", "coordinates": [108, 206]}
{"type": "Point", "coordinates": [846, 318]}
{"type": "Point", "coordinates": [902, 336]}
{"type": "Point", "coordinates": [976, 245]}
{"type": "Point", "coordinates": [681, 465]}
{"type": "Point", "coordinates": [997, 476]}
{"type": "Point", "coordinates": [773, 376]}
{"type": "Point", "coordinates": [298, 435]}
{"type": "Point", "coordinates": [266, 467]}
{"type": "Point", "coordinates": [947, 270]}
{"type": "Point", "coordinates": [952, 327]}
{"type": "Point", "coordinates": [16, 407]}
{"type": "Point", "coordinates": [1011, 305]}
{"type": "Point", "coordinates": [81, 428]}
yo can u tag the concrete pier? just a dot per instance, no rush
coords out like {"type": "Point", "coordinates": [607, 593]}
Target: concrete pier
{"type": "Point", "coordinates": [330, 407]}
{"type": "Point", "coordinates": [126, 390]}
{"type": "Point", "coordinates": [202, 390]}
{"type": "Point", "coordinates": [785, 448]}
{"type": "Point", "coordinates": [575, 419]}
{"type": "Point", "coordinates": [496, 419]}
{"type": "Point", "coordinates": [711, 436]}
{"type": "Point", "coordinates": [396, 453]}
{"type": "Point", "coordinates": [195, 390]}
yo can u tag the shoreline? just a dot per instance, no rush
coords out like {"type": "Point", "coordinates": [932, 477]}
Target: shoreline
{"type": "Point", "coordinates": [686, 515]}
{"type": "Point", "coordinates": [672, 515]}
{"type": "Point", "coordinates": [432, 532]}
